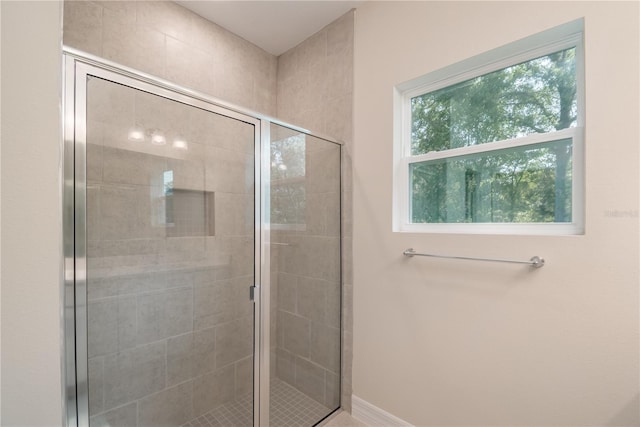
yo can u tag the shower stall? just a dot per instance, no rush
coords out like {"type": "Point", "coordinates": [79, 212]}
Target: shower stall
{"type": "Point", "coordinates": [202, 258]}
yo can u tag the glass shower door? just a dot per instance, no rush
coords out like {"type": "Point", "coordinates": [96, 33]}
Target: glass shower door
{"type": "Point", "coordinates": [170, 247]}
{"type": "Point", "coordinates": [305, 278]}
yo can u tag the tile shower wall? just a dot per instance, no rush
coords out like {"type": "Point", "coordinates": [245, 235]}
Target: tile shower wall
{"type": "Point", "coordinates": [315, 90]}
{"type": "Point", "coordinates": [170, 325]}
{"type": "Point", "coordinates": [313, 86]}
{"type": "Point", "coordinates": [168, 41]}
{"type": "Point", "coordinates": [166, 346]}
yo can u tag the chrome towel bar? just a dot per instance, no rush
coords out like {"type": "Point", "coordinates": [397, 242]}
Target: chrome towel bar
{"type": "Point", "coordinates": [535, 262]}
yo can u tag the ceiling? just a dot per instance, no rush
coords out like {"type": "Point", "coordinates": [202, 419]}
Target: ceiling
{"type": "Point", "coordinates": [275, 26]}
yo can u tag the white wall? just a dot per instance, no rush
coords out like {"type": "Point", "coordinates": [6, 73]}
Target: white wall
{"type": "Point", "coordinates": [31, 214]}
{"type": "Point", "coordinates": [440, 342]}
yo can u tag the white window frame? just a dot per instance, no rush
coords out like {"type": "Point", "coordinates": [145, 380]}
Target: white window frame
{"type": "Point", "coordinates": [553, 40]}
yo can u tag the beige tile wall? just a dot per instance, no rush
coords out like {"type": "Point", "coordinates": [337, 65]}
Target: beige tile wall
{"type": "Point", "coordinates": [315, 90]}
{"type": "Point", "coordinates": [312, 84]}
{"type": "Point", "coordinates": [166, 40]}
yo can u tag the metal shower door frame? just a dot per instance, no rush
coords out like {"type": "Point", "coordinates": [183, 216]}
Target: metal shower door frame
{"type": "Point", "coordinates": [78, 68]}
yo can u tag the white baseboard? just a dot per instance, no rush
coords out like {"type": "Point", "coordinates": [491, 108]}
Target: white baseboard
{"type": "Point", "coordinates": [373, 416]}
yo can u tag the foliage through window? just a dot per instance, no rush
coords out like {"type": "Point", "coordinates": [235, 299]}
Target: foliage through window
{"type": "Point", "coordinates": [288, 193]}
{"type": "Point", "coordinates": [498, 147]}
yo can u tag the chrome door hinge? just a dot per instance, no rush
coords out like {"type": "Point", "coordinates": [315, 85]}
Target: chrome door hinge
{"type": "Point", "coordinates": [252, 293]}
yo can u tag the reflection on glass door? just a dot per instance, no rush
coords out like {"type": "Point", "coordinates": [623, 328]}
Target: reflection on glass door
{"type": "Point", "coordinates": [170, 259]}
{"type": "Point", "coordinates": [305, 278]}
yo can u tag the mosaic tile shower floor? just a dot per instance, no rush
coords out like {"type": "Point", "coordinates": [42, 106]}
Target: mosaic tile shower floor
{"type": "Point", "coordinates": [289, 408]}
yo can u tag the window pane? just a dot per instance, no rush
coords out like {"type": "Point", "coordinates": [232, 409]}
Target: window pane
{"type": "Point", "coordinates": [537, 96]}
{"type": "Point", "coordinates": [527, 184]}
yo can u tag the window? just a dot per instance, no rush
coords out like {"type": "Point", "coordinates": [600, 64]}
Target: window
{"type": "Point", "coordinates": [494, 144]}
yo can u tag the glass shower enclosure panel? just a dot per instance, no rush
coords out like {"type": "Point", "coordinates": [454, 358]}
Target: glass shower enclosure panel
{"type": "Point", "coordinates": [306, 288]}
{"type": "Point", "coordinates": [170, 245]}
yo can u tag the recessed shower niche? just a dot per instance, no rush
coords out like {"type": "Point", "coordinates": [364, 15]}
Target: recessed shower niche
{"type": "Point", "coordinates": [202, 259]}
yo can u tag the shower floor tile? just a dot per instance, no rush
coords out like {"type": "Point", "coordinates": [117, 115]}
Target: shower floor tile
{"type": "Point", "coordinates": [289, 408]}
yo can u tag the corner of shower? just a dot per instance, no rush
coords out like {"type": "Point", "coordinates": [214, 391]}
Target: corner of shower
{"type": "Point", "coordinates": [202, 248]}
